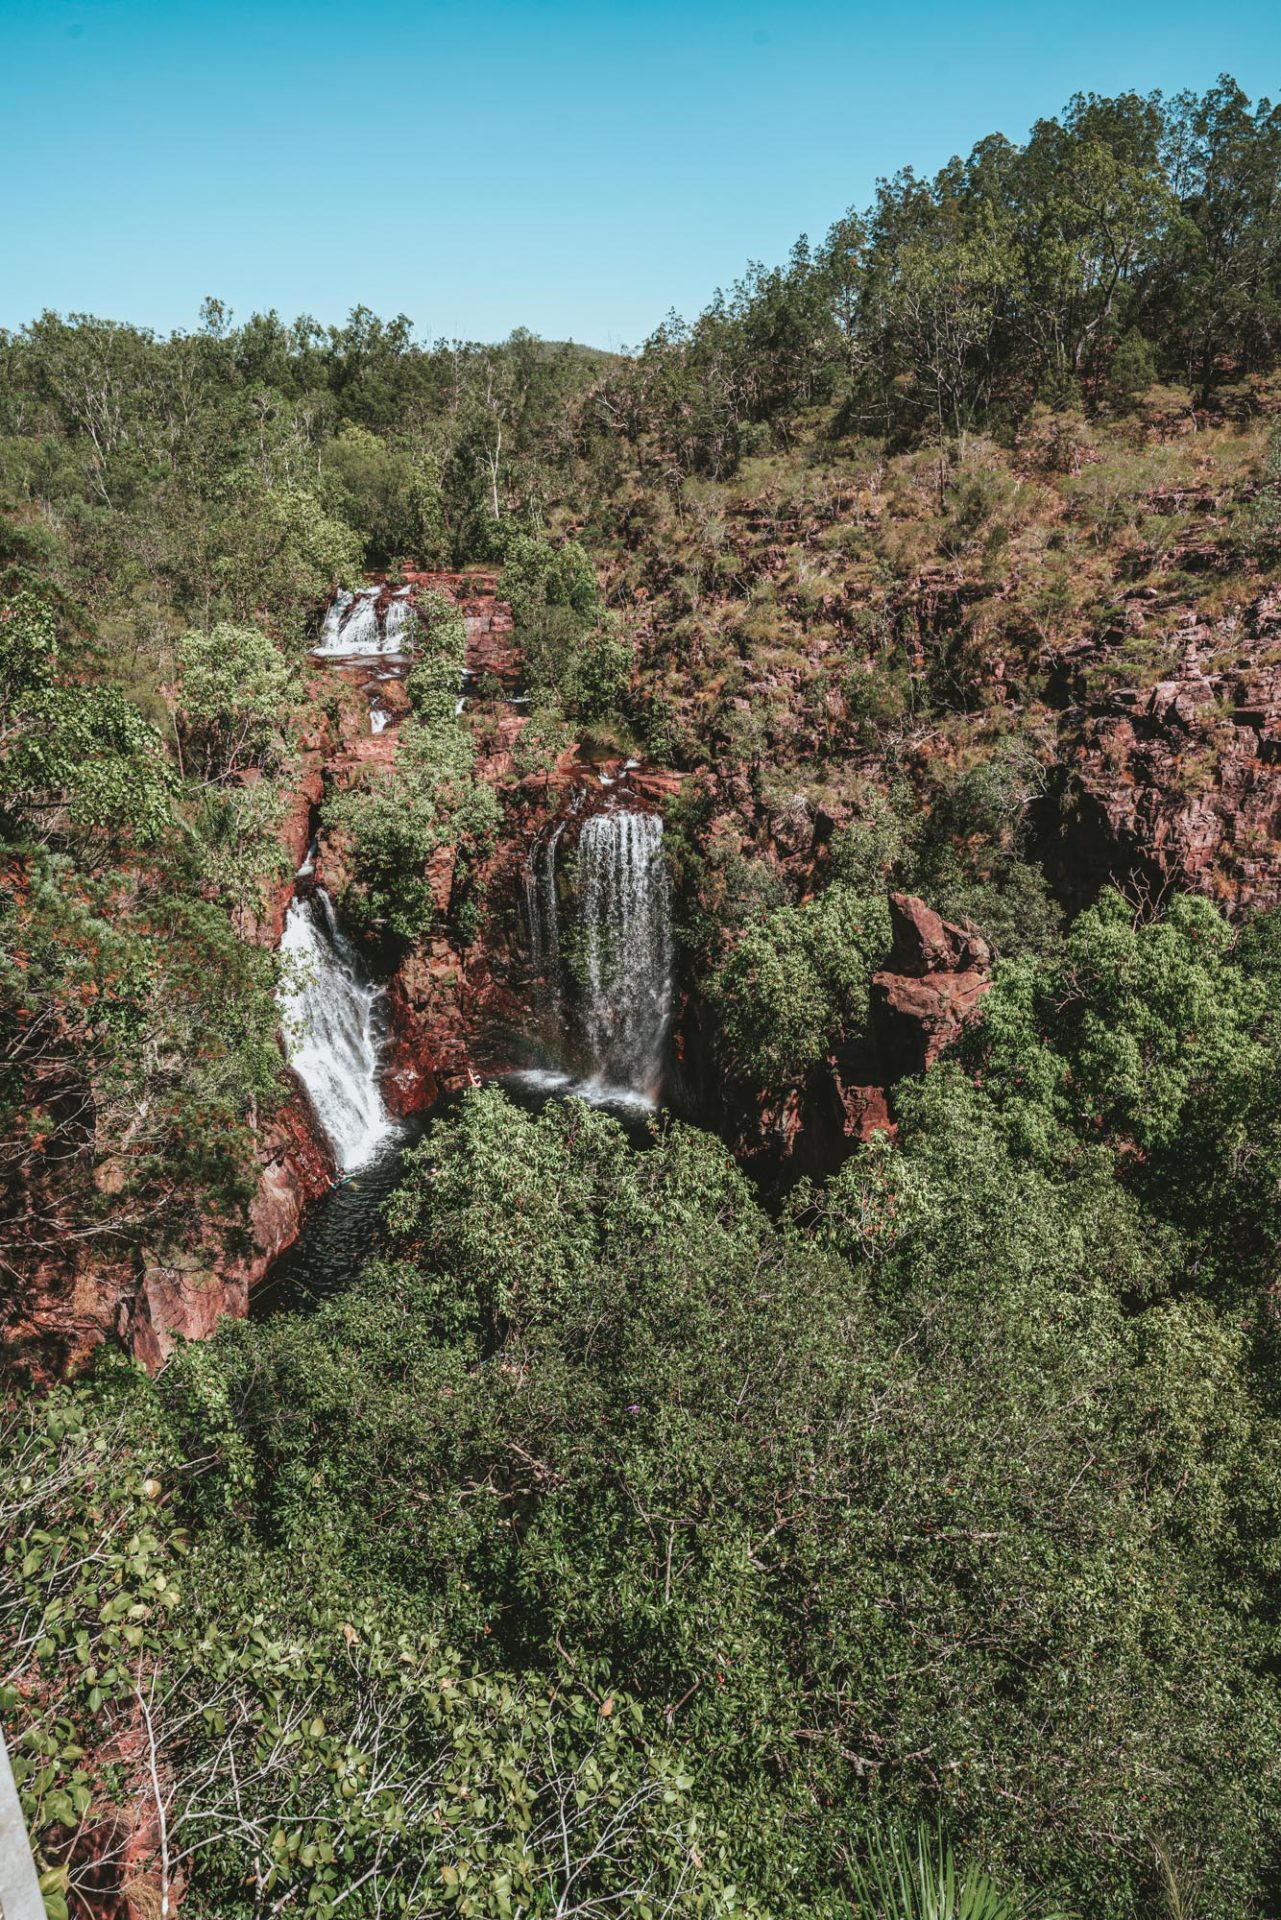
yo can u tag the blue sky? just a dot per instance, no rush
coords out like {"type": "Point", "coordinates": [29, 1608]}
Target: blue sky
{"type": "Point", "coordinates": [576, 169]}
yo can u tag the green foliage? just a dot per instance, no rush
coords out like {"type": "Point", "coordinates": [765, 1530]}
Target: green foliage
{"type": "Point", "coordinates": [898, 1508]}
{"type": "Point", "coordinates": [77, 760]}
{"type": "Point", "coordinates": [278, 548]}
{"type": "Point", "coordinates": [862, 854]}
{"type": "Point", "coordinates": [965, 852]}
{"type": "Point", "coordinates": [440, 654]}
{"type": "Point", "coordinates": [539, 744]}
{"type": "Point", "coordinates": [325, 1749]}
{"type": "Point", "coordinates": [595, 675]}
{"type": "Point", "coordinates": [85, 761]}
{"type": "Point", "coordinates": [916, 1878]}
{"type": "Point", "coordinates": [572, 649]}
{"type": "Point", "coordinates": [429, 805]}
{"type": "Point", "coordinates": [140, 1039]}
{"type": "Point", "coordinates": [390, 495]}
{"type": "Point", "coordinates": [478, 1193]}
{"type": "Point", "coordinates": [1161, 1038]}
{"type": "Point", "coordinates": [236, 848]}
{"type": "Point", "coordinates": [538, 574]}
{"type": "Point", "coordinates": [798, 982]}
{"type": "Point", "coordinates": [234, 686]}
{"type": "Point", "coordinates": [28, 647]}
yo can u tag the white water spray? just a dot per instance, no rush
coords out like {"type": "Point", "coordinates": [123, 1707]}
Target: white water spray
{"type": "Point", "coordinates": [625, 927]}
{"type": "Point", "coordinates": [330, 1014]}
{"type": "Point", "coordinates": [616, 1002]}
{"type": "Point", "coordinates": [353, 625]}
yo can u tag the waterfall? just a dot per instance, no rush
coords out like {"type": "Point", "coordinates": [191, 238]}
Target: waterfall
{"type": "Point", "coordinates": [352, 624]}
{"type": "Point", "coordinates": [331, 1030]}
{"type": "Point", "coordinates": [609, 966]}
{"type": "Point", "coordinates": [542, 908]}
{"type": "Point", "coordinates": [625, 929]}
{"type": "Point", "coordinates": [399, 624]}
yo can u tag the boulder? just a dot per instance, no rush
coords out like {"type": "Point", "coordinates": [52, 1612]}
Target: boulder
{"type": "Point", "coordinates": [928, 992]}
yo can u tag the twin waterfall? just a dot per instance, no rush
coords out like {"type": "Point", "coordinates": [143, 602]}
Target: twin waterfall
{"type": "Point", "coordinates": [600, 926]}
{"type": "Point", "coordinates": [599, 914]}
{"type": "Point", "coordinates": [332, 1031]}
{"type": "Point", "coordinates": [600, 930]}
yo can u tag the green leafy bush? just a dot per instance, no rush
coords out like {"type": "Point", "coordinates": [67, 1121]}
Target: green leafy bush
{"type": "Point", "coordinates": [429, 804]}
{"type": "Point", "coordinates": [77, 759]}
{"type": "Point", "coordinates": [798, 982]}
{"type": "Point", "coordinates": [234, 689]}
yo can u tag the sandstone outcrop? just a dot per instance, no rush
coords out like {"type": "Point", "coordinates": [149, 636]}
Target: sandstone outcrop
{"type": "Point", "coordinates": [149, 1300]}
{"type": "Point", "coordinates": [491, 648]}
{"type": "Point", "coordinates": [928, 992]}
{"type": "Point", "coordinates": [922, 1000]}
{"type": "Point", "coordinates": [183, 1296]}
{"type": "Point", "coordinates": [1178, 784]}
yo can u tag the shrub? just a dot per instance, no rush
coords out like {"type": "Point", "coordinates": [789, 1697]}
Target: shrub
{"type": "Point", "coordinates": [797, 983]}
{"type": "Point", "coordinates": [234, 685]}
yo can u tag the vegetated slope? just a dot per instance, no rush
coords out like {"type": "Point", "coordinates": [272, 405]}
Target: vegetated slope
{"type": "Point", "coordinates": [615, 1544]}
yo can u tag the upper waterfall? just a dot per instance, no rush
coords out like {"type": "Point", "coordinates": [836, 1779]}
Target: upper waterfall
{"type": "Point", "coordinates": [331, 1030]}
{"type": "Point", "coordinates": [353, 624]}
{"type": "Point", "coordinates": [606, 952]}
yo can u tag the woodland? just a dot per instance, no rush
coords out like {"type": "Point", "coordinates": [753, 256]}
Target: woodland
{"type": "Point", "coordinates": [774, 1515]}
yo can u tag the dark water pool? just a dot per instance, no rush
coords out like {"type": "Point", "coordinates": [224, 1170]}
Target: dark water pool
{"type": "Point", "coordinates": [342, 1230]}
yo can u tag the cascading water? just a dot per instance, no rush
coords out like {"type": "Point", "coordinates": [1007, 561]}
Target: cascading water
{"type": "Point", "coordinates": [353, 625]}
{"type": "Point", "coordinates": [542, 907]}
{"type": "Point", "coordinates": [399, 623]}
{"type": "Point", "coordinates": [331, 1030]}
{"type": "Point", "coordinates": [609, 967]}
{"type": "Point", "coordinates": [625, 927]}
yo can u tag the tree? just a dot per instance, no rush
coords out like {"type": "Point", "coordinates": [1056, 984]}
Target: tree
{"type": "Point", "coordinates": [1159, 1039]}
{"type": "Point", "coordinates": [234, 688]}
{"type": "Point", "coordinates": [77, 760]}
{"type": "Point", "coordinates": [1221, 280]}
{"type": "Point", "coordinates": [391, 496]}
{"type": "Point", "coordinates": [798, 982]}
{"type": "Point", "coordinates": [1094, 215]}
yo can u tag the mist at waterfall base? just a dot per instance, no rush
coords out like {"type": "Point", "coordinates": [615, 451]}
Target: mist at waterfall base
{"type": "Point", "coordinates": [600, 935]}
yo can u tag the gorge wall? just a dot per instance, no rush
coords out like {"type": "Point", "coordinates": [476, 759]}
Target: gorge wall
{"type": "Point", "coordinates": [1173, 781]}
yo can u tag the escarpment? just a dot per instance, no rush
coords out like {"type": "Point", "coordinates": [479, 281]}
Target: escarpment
{"type": "Point", "coordinates": [949, 721]}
